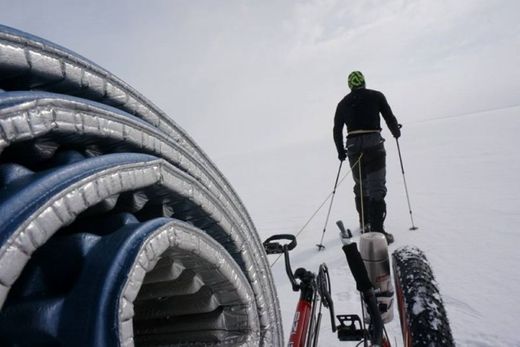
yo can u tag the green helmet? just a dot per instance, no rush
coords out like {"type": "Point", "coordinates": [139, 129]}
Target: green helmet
{"type": "Point", "coordinates": [356, 80]}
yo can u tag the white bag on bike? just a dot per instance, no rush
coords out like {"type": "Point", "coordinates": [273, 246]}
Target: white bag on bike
{"type": "Point", "coordinates": [373, 248]}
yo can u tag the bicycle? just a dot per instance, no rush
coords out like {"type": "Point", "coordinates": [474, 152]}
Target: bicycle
{"type": "Point", "coordinates": [413, 281]}
{"type": "Point", "coordinates": [315, 290]}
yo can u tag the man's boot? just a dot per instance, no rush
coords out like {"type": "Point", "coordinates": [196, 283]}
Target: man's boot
{"type": "Point", "coordinates": [377, 215]}
{"type": "Point", "coordinates": [363, 214]}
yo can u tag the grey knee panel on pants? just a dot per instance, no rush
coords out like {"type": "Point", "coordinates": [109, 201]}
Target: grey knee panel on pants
{"type": "Point", "coordinates": [368, 152]}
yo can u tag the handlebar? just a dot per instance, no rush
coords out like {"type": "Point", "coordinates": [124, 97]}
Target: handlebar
{"type": "Point", "coordinates": [276, 248]}
{"type": "Point", "coordinates": [345, 233]}
{"type": "Point", "coordinates": [272, 247]}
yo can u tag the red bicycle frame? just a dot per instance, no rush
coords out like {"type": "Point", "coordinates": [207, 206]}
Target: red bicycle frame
{"type": "Point", "coordinates": [300, 325]}
{"type": "Point", "coordinates": [304, 315]}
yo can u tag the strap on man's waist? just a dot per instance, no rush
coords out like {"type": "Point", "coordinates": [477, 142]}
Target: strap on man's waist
{"type": "Point", "coordinates": [360, 132]}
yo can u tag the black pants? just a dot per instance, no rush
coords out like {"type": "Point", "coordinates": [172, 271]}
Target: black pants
{"type": "Point", "coordinates": [366, 153]}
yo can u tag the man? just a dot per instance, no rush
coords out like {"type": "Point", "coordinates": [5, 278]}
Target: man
{"type": "Point", "coordinates": [359, 111]}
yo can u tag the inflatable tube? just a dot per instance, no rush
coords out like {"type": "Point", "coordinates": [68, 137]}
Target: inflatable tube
{"type": "Point", "coordinates": [93, 115]}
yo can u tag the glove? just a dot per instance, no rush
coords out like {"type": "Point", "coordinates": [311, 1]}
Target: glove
{"type": "Point", "coordinates": [396, 132]}
{"type": "Point", "coordinates": [342, 155]}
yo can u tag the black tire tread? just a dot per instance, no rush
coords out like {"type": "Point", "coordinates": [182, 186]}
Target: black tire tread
{"type": "Point", "coordinates": [413, 275]}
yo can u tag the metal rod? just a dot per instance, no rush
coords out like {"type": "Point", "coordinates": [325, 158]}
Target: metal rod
{"type": "Point", "coordinates": [361, 195]}
{"type": "Point", "coordinates": [320, 245]}
{"type": "Point", "coordinates": [405, 185]}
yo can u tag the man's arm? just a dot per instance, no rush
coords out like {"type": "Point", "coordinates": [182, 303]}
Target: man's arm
{"type": "Point", "coordinates": [389, 117]}
{"type": "Point", "coordinates": [338, 134]}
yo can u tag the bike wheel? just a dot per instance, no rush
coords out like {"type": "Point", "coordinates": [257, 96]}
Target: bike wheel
{"type": "Point", "coordinates": [424, 321]}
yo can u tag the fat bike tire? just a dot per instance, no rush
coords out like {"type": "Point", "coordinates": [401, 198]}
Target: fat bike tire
{"type": "Point", "coordinates": [424, 321]}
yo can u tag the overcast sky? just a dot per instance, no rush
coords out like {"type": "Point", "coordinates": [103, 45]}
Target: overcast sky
{"type": "Point", "coordinates": [242, 76]}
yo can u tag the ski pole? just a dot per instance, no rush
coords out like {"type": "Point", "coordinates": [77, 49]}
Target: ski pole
{"type": "Point", "coordinates": [320, 245]}
{"type": "Point", "coordinates": [405, 185]}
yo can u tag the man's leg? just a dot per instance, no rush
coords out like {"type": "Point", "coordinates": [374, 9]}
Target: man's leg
{"type": "Point", "coordinates": [377, 215]}
{"type": "Point", "coordinates": [376, 186]}
{"type": "Point", "coordinates": [360, 197]}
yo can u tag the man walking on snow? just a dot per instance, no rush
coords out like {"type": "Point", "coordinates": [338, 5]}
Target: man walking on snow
{"type": "Point", "coordinates": [359, 111]}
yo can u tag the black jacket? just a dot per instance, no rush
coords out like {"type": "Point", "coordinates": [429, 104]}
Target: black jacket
{"type": "Point", "coordinates": [359, 110]}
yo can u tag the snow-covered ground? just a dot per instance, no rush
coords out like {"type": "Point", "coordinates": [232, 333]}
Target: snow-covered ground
{"type": "Point", "coordinates": [463, 175]}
